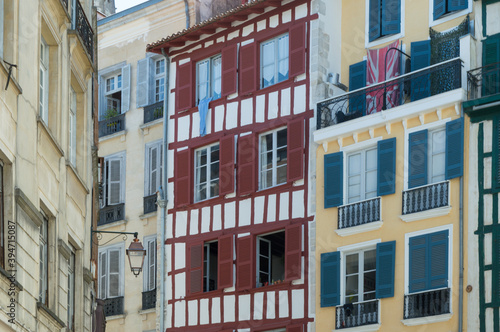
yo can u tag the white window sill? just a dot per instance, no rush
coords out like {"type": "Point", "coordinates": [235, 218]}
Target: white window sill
{"type": "Point", "coordinates": [449, 16]}
{"type": "Point", "coordinates": [111, 224]}
{"type": "Point", "coordinates": [151, 124]}
{"type": "Point", "coordinates": [364, 328]}
{"type": "Point", "coordinates": [108, 137]}
{"type": "Point", "coordinates": [116, 317]}
{"type": "Point", "coordinates": [383, 40]}
{"type": "Point", "coordinates": [147, 311]}
{"type": "Point", "coordinates": [148, 215]}
{"type": "Point", "coordinates": [371, 226]}
{"type": "Point", "coordinates": [432, 213]}
{"type": "Point", "coordinates": [426, 320]}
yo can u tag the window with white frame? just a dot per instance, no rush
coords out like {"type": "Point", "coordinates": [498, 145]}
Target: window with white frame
{"type": "Point", "coordinates": [71, 291]}
{"type": "Point", "coordinates": [436, 155]}
{"type": "Point", "coordinates": [114, 90]}
{"type": "Point", "coordinates": [362, 175]}
{"type": "Point", "coordinates": [43, 262]}
{"type": "Point", "coordinates": [360, 275]}
{"type": "Point", "coordinates": [442, 8]}
{"type": "Point", "coordinates": [111, 271]}
{"type": "Point", "coordinates": [72, 127]}
{"type": "Point", "coordinates": [149, 266]}
{"type": "Point", "coordinates": [270, 258]}
{"type": "Point", "coordinates": [210, 265]}
{"type": "Point", "coordinates": [384, 18]}
{"type": "Point", "coordinates": [159, 80]}
{"type": "Point", "coordinates": [208, 78]}
{"type": "Point", "coordinates": [206, 171]}
{"type": "Point", "coordinates": [44, 81]}
{"type": "Point", "coordinates": [154, 167]}
{"type": "Point", "coordinates": [274, 61]}
{"type": "Point", "coordinates": [273, 158]}
{"type": "Point", "coordinates": [113, 94]}
{"type": "Point", "coordinates": [114, 180]}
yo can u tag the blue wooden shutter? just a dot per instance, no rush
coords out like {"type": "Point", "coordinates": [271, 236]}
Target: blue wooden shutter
{"type": "Point", "coordinates": [420, 58]}
{"type": "Point", "coordinates": [454, 149]}
{"type": "Point", "coordinates": [491, 76]}
{"type": "Point", "coordinates": [457, 5]}
{"type": "Point", "coordinates": [418, 257]}
{"type": "Point", "coordinates": [437, 262]}
{"type": "Point", "coordinates": [330, 279]}
{"type": "Point", "coordinates": [496, 267]}
{"type": "Point", "coordinates": [386, 258]}
{"type": "Point", "coordinates": [439, 8]}
{"type": "Point", "coordinates": [391, 17]}
{"type": "Point", "coordinates": [334, 178]}
{"type": "Point", "coordinates": [357, 80]}
{"type": "Point", "coordinates": [386, 167]}
{"type": "Point", "coordinates": [417, 163]}
{"type": "Point", "coordinates": [496, 156]}
{"type": "Point", "coordinates": [374, 25]}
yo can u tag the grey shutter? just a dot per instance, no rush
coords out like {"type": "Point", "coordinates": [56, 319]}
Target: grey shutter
{"type": "Point", "coordinates": [153, 169]}
{"type": "Point", "coordinates": [114, 181]}
{"type": "Point", "coordinates": [142, 82]}
{"type": "Point", "coordinates": [151, 80]}
{"type": "Point", "coordinates": [103, 269]}
{"type": "Point", "coordinates": [114, 273]}
{"type": "Point", "coordinates": [152, 265]}
{"type": "Point", "coordinates": [125, 88]}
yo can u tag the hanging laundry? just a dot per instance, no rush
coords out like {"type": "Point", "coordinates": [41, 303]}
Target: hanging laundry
{"type": "Point", "coordinates": [203, 110]}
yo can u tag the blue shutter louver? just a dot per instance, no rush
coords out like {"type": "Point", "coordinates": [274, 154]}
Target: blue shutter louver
{"type": "Point", "coordinates": [439, 8]}
{"type": "Point", "coordinates": [457, 5]}
{"type": "Point", "coordinates": [330, 279]}
{"type": "Point", "coordinates": [495, 296]}
{"type": "Point", "coordinates": [386, 258]}
{"type": "Point", "coordinates": [386, 167]}
{"type": "Point", "coordinates": [491, 55]}
{"type": "Point", "coordinates": [454, 148]}
{"type": "Point", "coordinates": [437, 260]}
{"type": "Point", "coordinates": [357, 80]}
{"type": "Point", "coordinates": [417, 163]}
{"type": "Point", "coordinates": [333, 179]}
{"type": "Point", "coordinates": [391, 17]}
{"type": "Point", "coordinates": [418, 257]}
{"type": "Point", "coordinates": [374, 25]}
{"type": "Point", "coordinates": [420, 58]}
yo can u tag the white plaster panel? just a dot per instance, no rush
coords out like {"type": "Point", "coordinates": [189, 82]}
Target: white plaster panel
{"type": "Point", "coordinates": [180, 314]}
{"type": "Point", "coordinates": [221, 39]}
{"type": "Point", "coordinates": [208, 121]}
{"type": "Point", "coordinates": [246, 42]}
{"type": "Point", "coordinates": [283, 304]}
{"type": "Point", "coordinates": [180, 223]}
{"type": "Point", "coordinates": [488, 135]}
{"type": "Point", "coordinates": [183, 128]}
{"type": "Point", "coordinates": [243, 330]}
{"type": "Point", "coordinates": [297, 303]}
{"type": "Point", "coordinates": [488, 249]}
{"type": "Point", "coordinates": [229, 215]}
{"type": "Point", "coordinates": [270, 310]}
{"type": "Point", "coordinates": [246, 111]}
{"type": "Point", "coordinates": [232, 115]}
{"type": "Point", "coordinates": [193, 223]}
{"type": "Point", "coordinates": [271, 208]}
{"type": "Point", "coordinates": [299, 102]}
{"type": "Point", "coordinates": [209, 43]}
{"type": "Point", "coordinates": [258, 306]}
{"type": "Point", "coordinates": [170, 154]}
{"type": "Point", "coordinates": [219, 118]}
{"type": "Point", "coordinates": [300, 11]}
{"type": "Point", "coordinates": [244, 307]}
{"type": "Point", "coordinates": [193, 313]}
{"type": "Point", "coordinates": [215, 310]}
{"type": "Point", "coordinates": [493, 18]}
{"type": "Point", "coordinates": [300, 77]}
{"type": "Point", "coordinates": [258, 209]}
{"type": "Point", "coordinates": [229, 308]}
{"type": "Point", "coordinates": [233, 35]}
{"type": "Point", "coordinates": [284, 203]}
{"type": "Point", "coordinates": [488, 209]}
{"type": "Point", "coordinates": [170, 227]}
{"type": "Point", "coordinates": [180, 285]}
{"type": "Point", "coordinates": [205, 219]}
{"type": "Point", "coordinates": [260, 109]}
{"type": "Point", "coordinates": [272, 107]}
{"type": "Point", "coordinates": [196, 126]}
{"type": "Point", "coordinates": [487, 286]}
{"type": "Point", "coordinates": [180, 255]}
{"type": "Point", "coordinates": [261, 25]}
{"type": "Point", "coordinates": [217, 218]}
{"type": "Point", "coordinates": [286, 16]}
{"type": "Point", "coordinates": [487, 173]}
{"type": "Point", "coordinates": [285, 102]}
{"type": "Point", "coordinates": [248, 30]}
{"type": "Point", "coordinates": [245, 212]}
{"type": "Point", "coordinates": [204, 312]}
{"type": "Point", "coordinates": [169, 286]}
{"type": "Point", "coordinates": [489, 320]}
{"type": "Point", "coordinates": [184, 61]}
{"type": "Point", "coordinates": [274, 21]}
{"type": "Point", "coordinates": [298, 204]}
{"type": "Point", "coordinates": [169, 316]}
{"type": "Point", "coordinates": [168, 254]}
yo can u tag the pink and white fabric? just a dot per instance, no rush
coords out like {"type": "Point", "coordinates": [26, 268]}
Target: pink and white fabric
{"type": "Point", "coordinates": [375, 74]}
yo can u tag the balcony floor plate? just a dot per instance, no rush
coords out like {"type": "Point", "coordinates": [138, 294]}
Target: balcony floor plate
{"type": "Point", "coordinates": [371, 226]}
{"type": "Point", "coordinates": [432, 213]}
{"type": "Point", "coordinates": [426, 320]}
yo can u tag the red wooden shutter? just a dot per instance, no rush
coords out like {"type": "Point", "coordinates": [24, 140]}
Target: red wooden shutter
{"type": "Point", "coordinates": [229, 68]}
{"type": "Point", "coordinates": [225, 261]}
{"type": "Point", "coordinates": [246, 164]}
{"type": "Point", "coordinates": [244, 263]}
{"type": "Point", "coordinates": [294, 328]}
{"type": "Point", "coordinates": [184, 95]}
{"type": "Point", "coordinates": [248, 68]}
{"type": "Point", "coordinates": [226, 165]}
{"type": "Point", "coordinates": [295, 151]}
{"type": "Point", "coordinates": [195, 284]}
{"type": "Point", "coordinates": [182, 177]}
{"type": "Point", "coordinates": [293, 252]}
{"type": "Point", "coordinates": [297, 39]}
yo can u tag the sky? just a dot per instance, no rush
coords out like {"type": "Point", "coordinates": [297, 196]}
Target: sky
{"type": "Point", "coordinates": [125, 4]}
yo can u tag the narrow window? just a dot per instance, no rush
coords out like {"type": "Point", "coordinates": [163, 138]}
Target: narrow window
{"type": "Point", "coordinates": [113, 95]}
{"type": "Point", "coordinates": [159, 80]}
{"type": "Point", "coordinates": [210, 265]}
{"type": "Point", "coordinates": [362, 175]}
{"type": "Point", "coordinates": [154, 159]}
{"type": "Point", "coordinates": [208, 75]}
{"type": "Point", "coordinates": [207, 172]}
{"type": "Point", "coordinates": [72, 127]}
{"type": "Point", "coordinates": [71, 291]}
{"type": "Point", "coordinates": [43, 246]}
{"type": "Point", "coordinates": [44, 81]}
{"type": "Point", "coordinates": [274, 61]}
{"type": "Point", "coordinates": [273, 158]}
{"type": "Point", "coordinates": [360, 268]}
{"type": "Point", "coordinates": [436, 156]}
{"type": "Point", "coordinates": [270, 259]}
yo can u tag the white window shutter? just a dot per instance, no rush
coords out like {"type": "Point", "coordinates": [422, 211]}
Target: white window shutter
{"type": "Point", "coordinates": [152, 76]}
{"type": "Point", "coordinates": [103, 268]}
{"type": "Point", "coordinates": [152, 264]}
{"type": "Point", "coordinates": [114, 181]}
{"type": "Point", "coordinates": [102, 98]}
{"type": "Point", "coordinates": [160, 182]}
{"type": "Point", "coordinates": [143, 85]}
{"type": "Point", "coordinates": [114, 273]}
{"type": "Point", "coordinates": [125, 88]}
{"type": "Point", "coordinates": [153, 175]}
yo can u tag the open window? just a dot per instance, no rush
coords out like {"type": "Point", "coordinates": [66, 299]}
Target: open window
{"type": "Point", "coordinates": [210, 265]}
{"type": "Point", "coordinates": [274, 60]}
{"type": "Point", "coordinates": [270, 259]}
{"type": "Point", "coordinates": [208, 78]}
{"type": "Point", "coordinates": [114, 91]}
{"type": "Point", "coordinates": [273, 158]}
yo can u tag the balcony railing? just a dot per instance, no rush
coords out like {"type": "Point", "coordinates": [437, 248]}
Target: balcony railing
{"type": "Point", "coordinates": [436, 302]}
{"type": "Point", "coordinates": [422, 83]}
{"type": "Point", "coordinates": [150, 203]}
{"type": "Point", "coordinates": [357, 314]}
{"type": "Point", "coordinates": [483, 81]}
{"type": "Point", "coordinates": [153, 112]}
{"type": "Point", "coordinates": [425, 198]}
{"type": "Point", "coordinates": [112, 125]}
{"type": "Point", "coordinates": [111, 213]}
{"type": "Point", "coordinates": [359, 213]}
{"type": "Point", "coordinates": [81, 24]}
{"type": "Point", "coordinates": [149, 299]}
{"type": "Point", "coordinates": [113, 306]}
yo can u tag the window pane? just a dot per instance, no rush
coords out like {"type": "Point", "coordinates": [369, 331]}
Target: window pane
{"type": "Point", "coordinates": [216, 77]}
{"type": "Point", "coordinates": [160, 66]}
{"type": "Point", "coordinates": [283, 58]}
{"type": "Point", "coordinates": [351, 264]}
{"type": "Point", "coordinates": [354, 164]}
{"type": "Point", "coordinates": [119, 81]}
{"type": "Point", "coordinates": [369, 282]}
{"type": "Point", "coordinates": [370, 259]}
{"type": "Point", "coordinates": [281, 175]}
{"type": "Point", "coordinates": [371, 184]}
{"type": "Point", "coordinates": [371, 159]}
{"type": "Point", "coordinates": [282, 135]}
{"type": "Point", "coordinates": [214, 150]}
{"type": "Point", "coordinates": [351, 289]}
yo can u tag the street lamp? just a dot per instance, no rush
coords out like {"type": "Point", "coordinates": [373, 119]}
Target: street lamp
{"type": "Point", "coordinates": [136, 254]}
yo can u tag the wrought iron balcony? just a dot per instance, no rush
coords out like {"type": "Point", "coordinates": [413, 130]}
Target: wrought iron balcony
{"type": "Point", "coordinates": [111, 213]}
{"type": "Point", "coordinates": [113, 306]}
{"type": "Point", "coordinates": [150, 203]}
{"type": "Point", "coordinates": [149, 299]}
{"type": "Point", "coordinates": [404, 89]}
{"type": "Point", "coordinates": [359, 213]}
{"type": "Point", "coordinates": [153, 112]}
{"type": "Point", "coordinates": [356, 314]}
{"type": "Point", "coordinates": [81, 24]}
{"type": "Point", "coordinates": [483, 81]}
{"type": "Point", "coordinates": [112, 125]}
{"type": "Point", "coordinates": [432, 303]}
{"type": "Point", "coordinates": [425, 198]}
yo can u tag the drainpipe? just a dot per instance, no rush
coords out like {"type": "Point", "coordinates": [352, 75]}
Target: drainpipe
{"type": "Point", "coordinates": [461, 244]}
{"type": "Point", "coordinates": [186, 9]}
{"type": "Point", "coordinates": [163, 201]}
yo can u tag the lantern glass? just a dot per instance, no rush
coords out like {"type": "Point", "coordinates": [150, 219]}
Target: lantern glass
{"type": "Point", "coordinates": [136, 254]}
